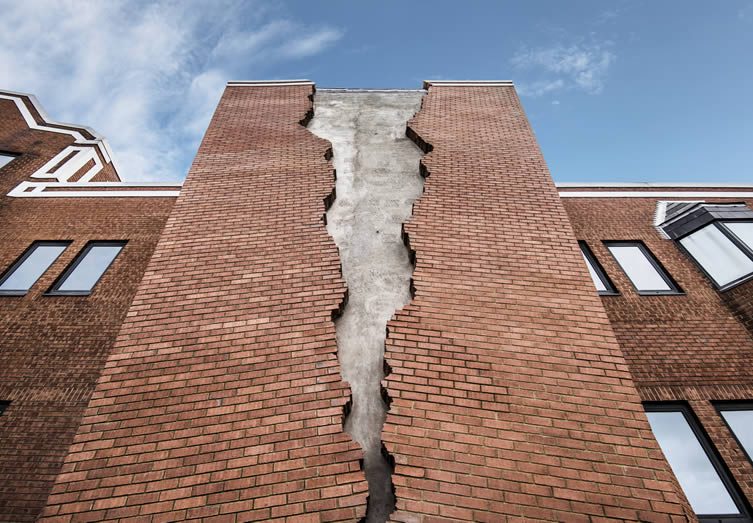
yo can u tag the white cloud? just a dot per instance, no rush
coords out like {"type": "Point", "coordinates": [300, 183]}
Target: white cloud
{"type": "Point", "coordinates": [578, 66]}
{"type": "Point", "coordinates": [145, 74]}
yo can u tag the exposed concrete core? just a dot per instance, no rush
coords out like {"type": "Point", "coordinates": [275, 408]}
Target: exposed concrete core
{"type": "Point", "coordinates": [377, 182]}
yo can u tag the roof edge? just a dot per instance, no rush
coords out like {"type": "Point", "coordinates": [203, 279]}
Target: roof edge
{"type": "Point", "coordinates": [50, 125]}
{"type": "Point", "coordinates": [267, 83]}
{"type": "Point", "coordinates": [467, 83]}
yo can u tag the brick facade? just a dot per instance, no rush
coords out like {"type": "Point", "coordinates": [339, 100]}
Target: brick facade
{"type": "Point", "coordinates": [223, 400]}
{"type": "Point", "coordinates": [695, 347]}
{"type": "Point", "coordinates": [54, 347]}
{"type": "Point", "coordinates": [511, 397]}
{"type": "Point", "coordinates": [200, 380]}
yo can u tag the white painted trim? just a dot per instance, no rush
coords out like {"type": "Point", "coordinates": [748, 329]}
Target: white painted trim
{"type": "Point", "coordinates": [467, 83]}
{"type": "Point", "coordinates": [129, 189]}
{"type": "Point", "coordinates": [653, 184]}
{"type": "Point", "coordinates": [81, 156]}
{"type": "Point", "coordinates": [100, 142]}
{"type": "Point", "coordinates": [267, 83]}
{"type": "Point", "coordinates": [654, 194]}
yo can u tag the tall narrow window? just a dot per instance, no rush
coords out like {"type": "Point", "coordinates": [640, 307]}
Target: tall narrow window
{"type": "Point", "coordinates": [19, 278]}
{"type": "Point", "coordinates": [706, 483]}
{"type": "Point", "coordinates": [601, 281]}
{"type": "Point", "coordinates": [88, 267]}
{"type": "Point", "coordinates": [6, 158]}
{"type": "Point", "coordinates": [739, 418]}
{"type": "Point", "coordinates": [644, 271]}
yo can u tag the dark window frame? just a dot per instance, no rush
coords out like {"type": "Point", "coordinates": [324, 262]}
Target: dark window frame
{"type": "Point", "coordinates": [748, 251]}
{"type": "Point", "coordinates": [714, 457]}
{"type": "Point", "coordinates": [674, 287]}
{"type": "Point", "coordinates": [599, 270]}
{"type": "Point", "coordinates": [732, 405]}
{"type": "Point", "coordinates": [54, 289]}
{"type": "Point", "coordinates": [22, 258]}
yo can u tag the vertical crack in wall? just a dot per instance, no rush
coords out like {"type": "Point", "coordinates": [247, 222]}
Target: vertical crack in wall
{"type": "Point", "coordinates": [378, 180]}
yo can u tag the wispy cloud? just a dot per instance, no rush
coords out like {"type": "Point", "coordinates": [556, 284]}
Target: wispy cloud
{"type": "Point", "coordinates": [145, 74]}
{"type": "Point", "coordinates": [578, 66]}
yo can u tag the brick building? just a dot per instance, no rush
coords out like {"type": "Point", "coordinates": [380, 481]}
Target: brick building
{"type": "Point", "coordinates": [437, 333]}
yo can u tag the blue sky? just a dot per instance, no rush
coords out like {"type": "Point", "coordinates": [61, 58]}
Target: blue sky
{"type": "Point", "coordinates": [616, 91]}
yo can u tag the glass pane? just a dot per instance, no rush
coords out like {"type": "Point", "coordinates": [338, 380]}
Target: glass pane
{"type": "Point", "coordinates": [88, 271]}
{"type": "Point", "coordinates": [5, 159]}
{"type": "Point", "coordinates": [697, 476]}
{"type": "Point", "coordinates": [594, 276]}
{"type": "Point", "coordinates": [38, 261]}
{"type": "Point", "coordinates": [639, 269]}
{"type": "Point", "coordinates": [716, 253]}
{"type": "Point", "coordinates": [741, 423]}
{"type": "Point", "coordinates": [743, 230]}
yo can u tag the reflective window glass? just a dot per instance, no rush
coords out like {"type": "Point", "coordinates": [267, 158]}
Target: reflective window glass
{"type": "Point", "coordinates": [717, 254]}
{"type": "Point", "coordinates": [88, 268]}
{"type": "Point", "coordinates": [691, 464]}
{"type": "Point", "coordinates": [30, 266]}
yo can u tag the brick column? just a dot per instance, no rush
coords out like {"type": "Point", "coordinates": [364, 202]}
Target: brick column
{"type": "Point", "coordinates": [511, 397]}
{"type": "Point", "coordinates": [223, 399]}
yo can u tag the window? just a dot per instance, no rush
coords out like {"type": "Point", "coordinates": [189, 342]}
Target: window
{"type": "Point", "coordinates": [717, 254]}
{"type": "Point", "coordinates": [88, 267]}
{"type": "Point", "coordinates": [701, 474]}
{"type": "Point", "coordinates": [601, 281]}
{"type": "Point", "coordinates": [739, 419]}
{"type": "Point", "coordinates": [717, 236]}
{"type": "Point", "coordinates": [6, 158]}
{"type": "Point", "coordinates": [644, 271]}
{"type": "Point", "coordinates": [3, 406]}
{"type": "Point", "coordinates": [19, 278]}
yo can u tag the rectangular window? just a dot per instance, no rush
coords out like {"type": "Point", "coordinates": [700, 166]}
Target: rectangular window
{"type": "Point", "coordinates": [85, 271]}
{"type": "Point", "coordinates": [601, 281]}
{"type": "Point", "coordinates": [6, 158]}
{"type": "Point", "coordinates": [718, 255]}
{"type": "Point", "coordinates": [644, 271]}
{"type": "Point", "coordinates": [3, 406]}
{"type": "Point", "coordinates": [739, 419]}
{"type": "Point", "coordinates": [701, 474]}
{"type": "Point", "coordinates": [19, 278]}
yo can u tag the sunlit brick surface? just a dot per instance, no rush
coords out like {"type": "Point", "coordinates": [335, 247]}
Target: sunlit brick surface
{"type": "Point", "coordinates": [511, 397]}
{"type": "Point", "coordinates": [223, 399]}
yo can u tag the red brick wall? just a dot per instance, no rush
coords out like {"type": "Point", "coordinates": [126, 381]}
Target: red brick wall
{"type": "Point", "coordinates": [223, 398]}
{"type": "Point", "coordinates": [511, 397]}
{"type": "Point", "coordinates": [53, 348]}
{"type": "Point", "coordinates": [690, 347]}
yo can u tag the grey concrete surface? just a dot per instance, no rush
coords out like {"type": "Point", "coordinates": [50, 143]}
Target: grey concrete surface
{"type": "Point", "coordinates": [377, 182]}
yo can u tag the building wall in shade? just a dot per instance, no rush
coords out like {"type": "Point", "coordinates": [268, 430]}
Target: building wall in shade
{"type": "Point", "coordinates": [695, 347]}
{"type": "Point", "coordinates": [53, 348]}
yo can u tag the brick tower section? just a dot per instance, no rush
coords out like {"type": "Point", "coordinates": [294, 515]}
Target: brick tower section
{"type": "Point", "coordinates": [510, 396]}
{"type": "Point", "coordinates": [223, 399]}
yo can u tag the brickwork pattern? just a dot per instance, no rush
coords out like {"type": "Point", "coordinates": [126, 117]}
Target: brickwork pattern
{"type": "Point", "coordinates": [511, 398]}
{"type": "Point", "coordinates": [693, 347]}
{"type": "Point", "coordinates": [52, 348]}
{"type": "Point", "coordinates": [223, 399]}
